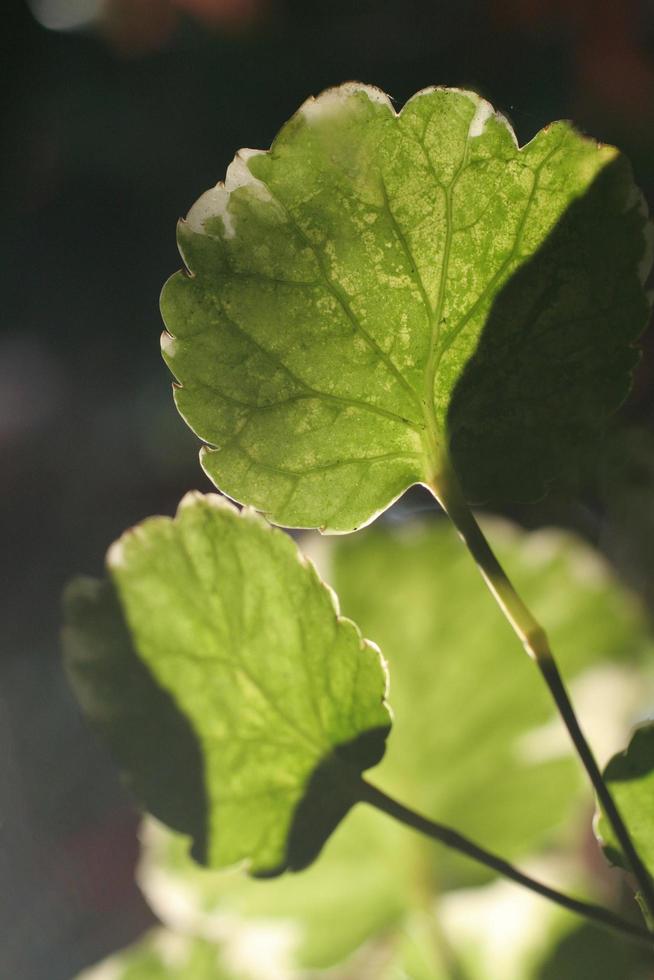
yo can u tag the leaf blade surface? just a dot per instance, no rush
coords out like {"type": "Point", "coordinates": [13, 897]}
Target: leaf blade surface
{"type": "Point", "coordinates": [284, 697]}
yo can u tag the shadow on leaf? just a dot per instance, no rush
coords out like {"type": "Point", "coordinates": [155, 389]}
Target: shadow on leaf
{"type": "Point", "coordinates": [154, 743]}
{"type": "Point", "coordinates": [151, 739]}
{"type": "Point", "coordinates": [330, 794]}
{"type": "Point", "coordinates": [556, 354]}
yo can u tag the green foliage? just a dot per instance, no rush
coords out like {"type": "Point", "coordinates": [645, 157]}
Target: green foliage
{"type": "Point", "coordinates": [380, 300]}
{"type": "Point", "coordinates": [630, 776]}
{"type": "Point", "coordinates": [283, 696]}
{"type": "Point", "coordinates": [557, 950]}
{"type": "Point", "coordinates": [380, 287]}
{"type": "Point", "coordinates": [490, 933]}
{"type": "Point", "coordinates": [484, 756]}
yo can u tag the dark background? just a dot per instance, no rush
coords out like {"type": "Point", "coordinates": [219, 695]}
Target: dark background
{"type": "Point", "coordinates": [109, 135]}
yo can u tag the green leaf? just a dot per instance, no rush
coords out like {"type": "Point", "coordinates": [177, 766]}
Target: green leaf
{"type": "Point", "coordinates": [630, 777]}
{"type": "Point", "coordinates": [282, 695]}
{"type": "Point", "coordinates": [381, 289]}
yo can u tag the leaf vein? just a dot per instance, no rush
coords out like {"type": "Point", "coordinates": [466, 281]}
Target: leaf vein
{"type": "Point", "coordinates": [341, 298]}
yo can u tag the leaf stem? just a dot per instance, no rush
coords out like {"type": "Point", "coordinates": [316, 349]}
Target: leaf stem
{"type": "Point", "coordinates": [451, 838]}
{"type": "Point", "coordinates": [448, 492]}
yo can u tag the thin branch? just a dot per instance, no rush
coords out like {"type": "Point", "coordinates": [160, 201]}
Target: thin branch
{"type": "Point", "coordinates": [451, 838]}
{"type": "Point", "coordinates": [447, 491]}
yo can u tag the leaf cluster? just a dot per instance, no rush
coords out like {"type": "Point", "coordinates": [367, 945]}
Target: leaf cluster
{"type": "Point", "coordinates": [383, 299]}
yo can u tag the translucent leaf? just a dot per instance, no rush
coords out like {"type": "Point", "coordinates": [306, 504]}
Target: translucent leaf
{"type": "Point", "coordinates": [381, 289]}
{"type": "Point", "coordinates": [281, 700]}
{"type": "Point", "coordinates": [630, 776]}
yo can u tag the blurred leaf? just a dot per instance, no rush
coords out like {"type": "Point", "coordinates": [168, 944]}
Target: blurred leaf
{"type": "Point", "coordinates": [163, 955]}
{"type": "Point", "coordinates": [380, 287]}
{"type": "Point", "coordinates": [283, 696]}
{"type": "Point", "coordinates": [630, 776]}
{"type": "Point", "coordinates": [594, 953]}
{"type": "Point", "coordinates": [476, 742]}
{"type": "Point", "coordinates": [357, 888]}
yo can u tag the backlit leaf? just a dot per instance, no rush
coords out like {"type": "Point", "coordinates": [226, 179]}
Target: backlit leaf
{"type": "Point", "coordinates": [382, 289]}
{"type": "Point", "coordinates": [281, 695]}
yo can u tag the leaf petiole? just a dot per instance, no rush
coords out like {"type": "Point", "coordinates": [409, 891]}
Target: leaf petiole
{"type": "Point", "coordinates": [447, 492]}
{"type": "Point", "coordinates": [451, 838]}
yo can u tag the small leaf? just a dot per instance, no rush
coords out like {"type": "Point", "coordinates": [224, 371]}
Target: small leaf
{"type": "Point", "coordinates": [283, 697]}
{"type": "Point", "coordinates": [630, 777]}
{"type": "Point", "coordinates": [383, 290]}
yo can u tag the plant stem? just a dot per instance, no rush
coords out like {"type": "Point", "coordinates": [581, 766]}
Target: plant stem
{"type": "Point", "coordinates": [451, 838]}
{"type": "Point", "coordinates": [448, 492]}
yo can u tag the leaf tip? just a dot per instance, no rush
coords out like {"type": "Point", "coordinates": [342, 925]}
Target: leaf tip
{"type": "Point", "coordinates": [116, 554]}
{"type": "Point", "coordinates": [167, 343]}
{"type": "Point", "coordinates": [213, 203]}
{"type": "Point", "coordinates": [483, 110]}
{"type": "Point", "coordinates": [256, 517]}
{"type": "Point", "coordinates": [217, 501]}
{"type": "Point", "coordinates": [332, 100]}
